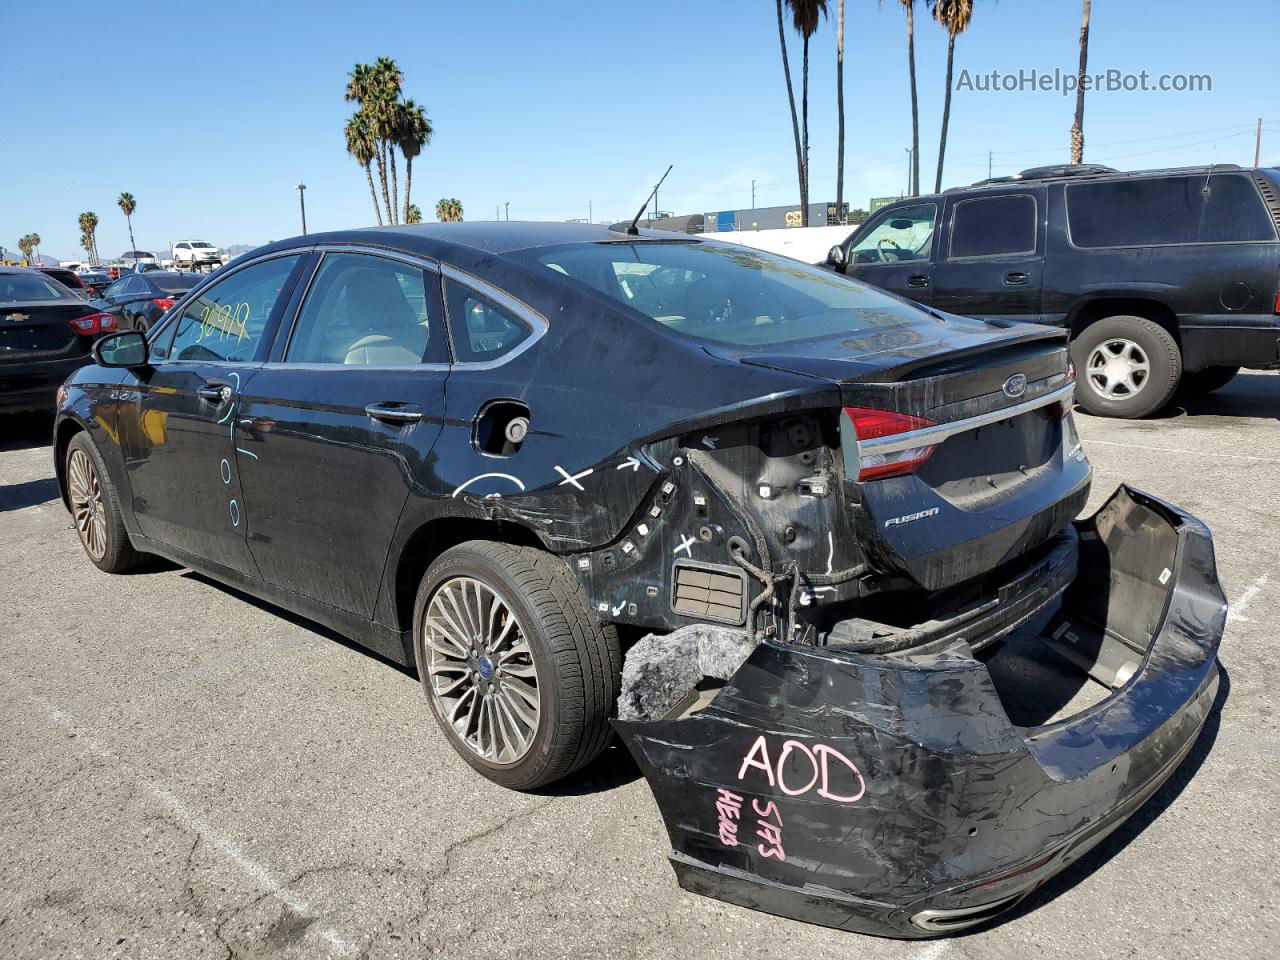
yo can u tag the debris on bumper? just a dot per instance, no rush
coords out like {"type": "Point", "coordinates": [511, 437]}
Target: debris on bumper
{"type": "Point", "coordinates": [895, 795]}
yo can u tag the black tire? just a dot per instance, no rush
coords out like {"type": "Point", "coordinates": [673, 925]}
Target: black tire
{"type": "Point", "coordinates": [577, 659]}
{"type": "Point", "coordinates": [1197, 383]}
{"type": "Point", "coordinates": [1148, 391]}
{"type": "Point", "coordinates": [97, 517]}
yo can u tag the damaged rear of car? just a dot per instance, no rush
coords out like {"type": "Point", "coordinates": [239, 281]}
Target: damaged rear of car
{"type": "Point", "coordinates": [898, 685]}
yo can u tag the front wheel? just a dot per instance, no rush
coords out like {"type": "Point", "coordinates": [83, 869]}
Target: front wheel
{"type": "Point", "coordinates": [1126, 367]}
{"type": "Point", "coordinates": [519, 673]}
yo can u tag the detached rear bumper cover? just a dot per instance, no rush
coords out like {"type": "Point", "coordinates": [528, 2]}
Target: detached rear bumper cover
{"type": "Point", "coordinates": [893, 796]}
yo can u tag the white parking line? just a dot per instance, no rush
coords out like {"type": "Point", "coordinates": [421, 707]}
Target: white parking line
{"type": "Point", "coordinates": [1205, 453]}
{"type": "Point", "coordinates": [1235, 611]}
{"type": "Point", "coordinates": [264, 878]}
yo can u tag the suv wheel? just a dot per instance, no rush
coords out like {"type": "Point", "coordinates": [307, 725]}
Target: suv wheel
{"type": "Point", "coordinates": [1200, 382]}
{"type": "Point", "coordinates": [519, 673]}
{"type": "Point", "coordinates": [1125, 366]}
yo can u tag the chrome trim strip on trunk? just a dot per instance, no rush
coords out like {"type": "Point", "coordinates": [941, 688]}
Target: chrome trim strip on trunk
{"type": "Point", "coordinates": [931, 436]}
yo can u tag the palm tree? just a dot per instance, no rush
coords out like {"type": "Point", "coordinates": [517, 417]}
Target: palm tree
{"type": "Point", "coordinates": [88, 234]}
{"type": "Point", "coordinates": [388, 79]}
{"type": "Point", "coordinates": [364, 88]}
{"type": "Point", "coordinates": [954, 15]}
{"type": "Point", "coordinates": [361, 145]}
{"type": "Point", "coordinates": [414, 131]}
{"type": "Point", "coordinates": [1077, 128]}
{"type": "Point", "coordinates": [909, 6]}
{"type": "Point", "coordinates": [791, 99]}
{"type": "Point", "coordinates": [806, 15]}
{"type": "Point", "coordinates": [839, 107]}
{"type": "Point", "coordinates": [448, 210]}
{"type": "Point", "coordinates": [35, 242]}
{"type": "Point", "coordinates": [413, 213]}
{"type": "Point", "coordinates": [27, 244]}
{"type": "Point", "coordinates": [127, 206]}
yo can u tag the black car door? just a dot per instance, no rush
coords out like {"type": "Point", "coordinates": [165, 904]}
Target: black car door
{"type": "Point", "coordinates": [181, 432]}
{"type": "Point", "coordinates": [335, 429]}
{"type": "Point", "coordinates": [894, 249]}
{"type": "Point", "coordinates": [990, 259]}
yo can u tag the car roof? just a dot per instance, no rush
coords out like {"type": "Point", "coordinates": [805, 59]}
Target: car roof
{"type": "Point", "coordinates": [441, 240]}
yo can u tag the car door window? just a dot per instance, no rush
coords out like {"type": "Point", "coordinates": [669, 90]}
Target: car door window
{"type": "Point", "coordinates": [904, 234]}
{"type": "Point", "coordinates": [363, 311]}
{"type": "Point", "coordinates": [993, 227]}
{"type": "Point", "coordinates": [227, 320]}
{"type": "Point", "coordinates": [116, 289]}
{"type": "Point", "coordinates": [480, 329]}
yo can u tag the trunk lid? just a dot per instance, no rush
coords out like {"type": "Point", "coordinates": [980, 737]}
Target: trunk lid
{"type": "Point", "coordinates": [1004, 471]}
{"type": "Point", "coordinates": [40, 331]}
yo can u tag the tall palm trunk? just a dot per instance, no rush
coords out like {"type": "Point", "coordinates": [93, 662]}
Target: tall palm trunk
{"type": "Point", "coordinates": [1077, 128]}
{"type": "Point", "coordinates": [915, 108]}
{"type": "Point", "coordinates": [791, 99]}
{"type": "Point", "coordinates": [840, 108]}
{"type": "Point", "coordinates": [408, 182]}
{"type": "Point", "coordinates": [381, 160]}
{"type": "Point", "coordinates": [804, 128]}
{"type": "Point", "coordinates": [946, 111]}
{"type": "Point", "coordinates": [395, 193]}
{"type": "Point", "coordinates": [373, 194]}
{"type": "Point", "coordinates": [129, 219]}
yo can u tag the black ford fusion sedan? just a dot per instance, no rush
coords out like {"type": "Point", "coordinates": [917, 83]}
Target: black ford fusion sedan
{"type": "Point", "coordinates": [808, 548]}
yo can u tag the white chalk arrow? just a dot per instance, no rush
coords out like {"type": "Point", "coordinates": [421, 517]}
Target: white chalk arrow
{"type": "Point", "coordinates": [631, 462]}
{"type": "Point", "coordinates": [710, 442]}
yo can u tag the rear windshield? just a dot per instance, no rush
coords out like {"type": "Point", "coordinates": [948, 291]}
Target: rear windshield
{"type": "Point", "coordinates": [727, 294]}
{"type": "Point", "coordinates": [17, 287]}
{"type": "Point", "coordinates": [177, 284]}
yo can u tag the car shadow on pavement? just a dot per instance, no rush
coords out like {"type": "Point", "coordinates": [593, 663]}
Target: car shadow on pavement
{"type": "Point", "coordinates": [1132, 828]}
{"type": "Point", "coordinates": [1247, 395]}
{"type": "Point", "coordinates": [16, 496]}
{"type": "Point", "coordinates": [25, 431]}
{"type": "Point", "coordinates": [612, 769]}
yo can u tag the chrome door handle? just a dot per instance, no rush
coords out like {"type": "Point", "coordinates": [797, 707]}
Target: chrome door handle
{"type": "Point", "coordinates": [394, 412]}
{"type": "Point", "coordinates": [917, 281]}
{"type": "Point", "coordinates": [214, 393]}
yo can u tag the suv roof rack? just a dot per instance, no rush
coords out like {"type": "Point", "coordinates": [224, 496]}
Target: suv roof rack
{"type": "Point", "coordinates": [1085, 170]}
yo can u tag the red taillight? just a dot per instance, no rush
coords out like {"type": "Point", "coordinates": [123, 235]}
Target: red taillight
{"type": "Point", "coordinates": [876, 424]}
{"type": "Point", "coordinates": [164, 303]}
{"type": "Point", "coordinates": [94, 324]}
{"type": "Point", "coordinates": [1277, 306]}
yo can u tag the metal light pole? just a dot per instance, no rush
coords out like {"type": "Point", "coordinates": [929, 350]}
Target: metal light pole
{"type": "Point", "coordinates": [302, 202]}
{"type": "Point", "coordinates": [507, 207]}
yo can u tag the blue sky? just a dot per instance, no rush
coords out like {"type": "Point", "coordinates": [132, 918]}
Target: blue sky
{"type": "Point", "coordinates": [211, 118]}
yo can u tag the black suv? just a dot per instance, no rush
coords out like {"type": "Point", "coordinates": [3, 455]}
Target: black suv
{"type": "Point", "coordinates": [1164, 277]}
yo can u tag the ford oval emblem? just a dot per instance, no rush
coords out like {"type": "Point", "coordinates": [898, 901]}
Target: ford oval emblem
{"type": "Point", "coordinates": [1015, 386]}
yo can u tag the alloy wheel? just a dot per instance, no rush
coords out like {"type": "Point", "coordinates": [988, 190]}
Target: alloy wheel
{"type": "Point", "coordinates": [87, 508]}
{"type": "Point", "coordinates": [480, 670]}
{"type": "Point", "coordinates": [1117, 369]}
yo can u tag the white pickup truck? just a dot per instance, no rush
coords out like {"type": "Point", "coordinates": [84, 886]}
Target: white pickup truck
{"type": "Point", "coordinates": [196, 255]}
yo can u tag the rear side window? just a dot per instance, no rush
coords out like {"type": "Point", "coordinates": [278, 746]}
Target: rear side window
{"type": "Point", "coordinates": [227, 321]}
{"type": "Point", "coordinates": [363, 311]}
{"type": "Point", "coordinates": [993, 227]}
{"type": "Point", "coordinates": [481, 329]}
{"type": "Point", "coordinates": [1234, 211]}
{"type": "Point", "coordinates": [1220, 208]}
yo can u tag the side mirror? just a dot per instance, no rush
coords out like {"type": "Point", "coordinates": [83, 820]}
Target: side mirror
{"type": "Point", "coordinates": [835, 256]}
{"type": "Point", "coordinates": [128, 349]}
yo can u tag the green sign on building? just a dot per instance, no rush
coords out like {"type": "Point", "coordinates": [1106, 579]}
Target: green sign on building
{"type": "Point", "coordinates": [877, 202]}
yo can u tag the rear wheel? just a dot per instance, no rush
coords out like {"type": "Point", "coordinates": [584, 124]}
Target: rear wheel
{"type": "Point", "coordinates": [95, 508]}
{"type": "Point", "coordinates": [1126, 367]}
{"type": "Point", "coordinates": [519, 673]}
{"type": "Point", "coordinates": [1197, 383]}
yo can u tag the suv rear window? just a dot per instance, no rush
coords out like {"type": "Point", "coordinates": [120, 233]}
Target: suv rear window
{"type": "Point", "coordinates": [993, 226]}
{"type": "Point", "coordinates": [1169, 210]}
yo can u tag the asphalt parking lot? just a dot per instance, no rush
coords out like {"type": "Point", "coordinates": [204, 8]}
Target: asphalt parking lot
{"type": "Point", "coordinates": [186, 772]}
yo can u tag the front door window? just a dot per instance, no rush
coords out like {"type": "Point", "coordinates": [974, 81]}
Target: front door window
{"type": "Point", "coordinates": [904, 234]}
